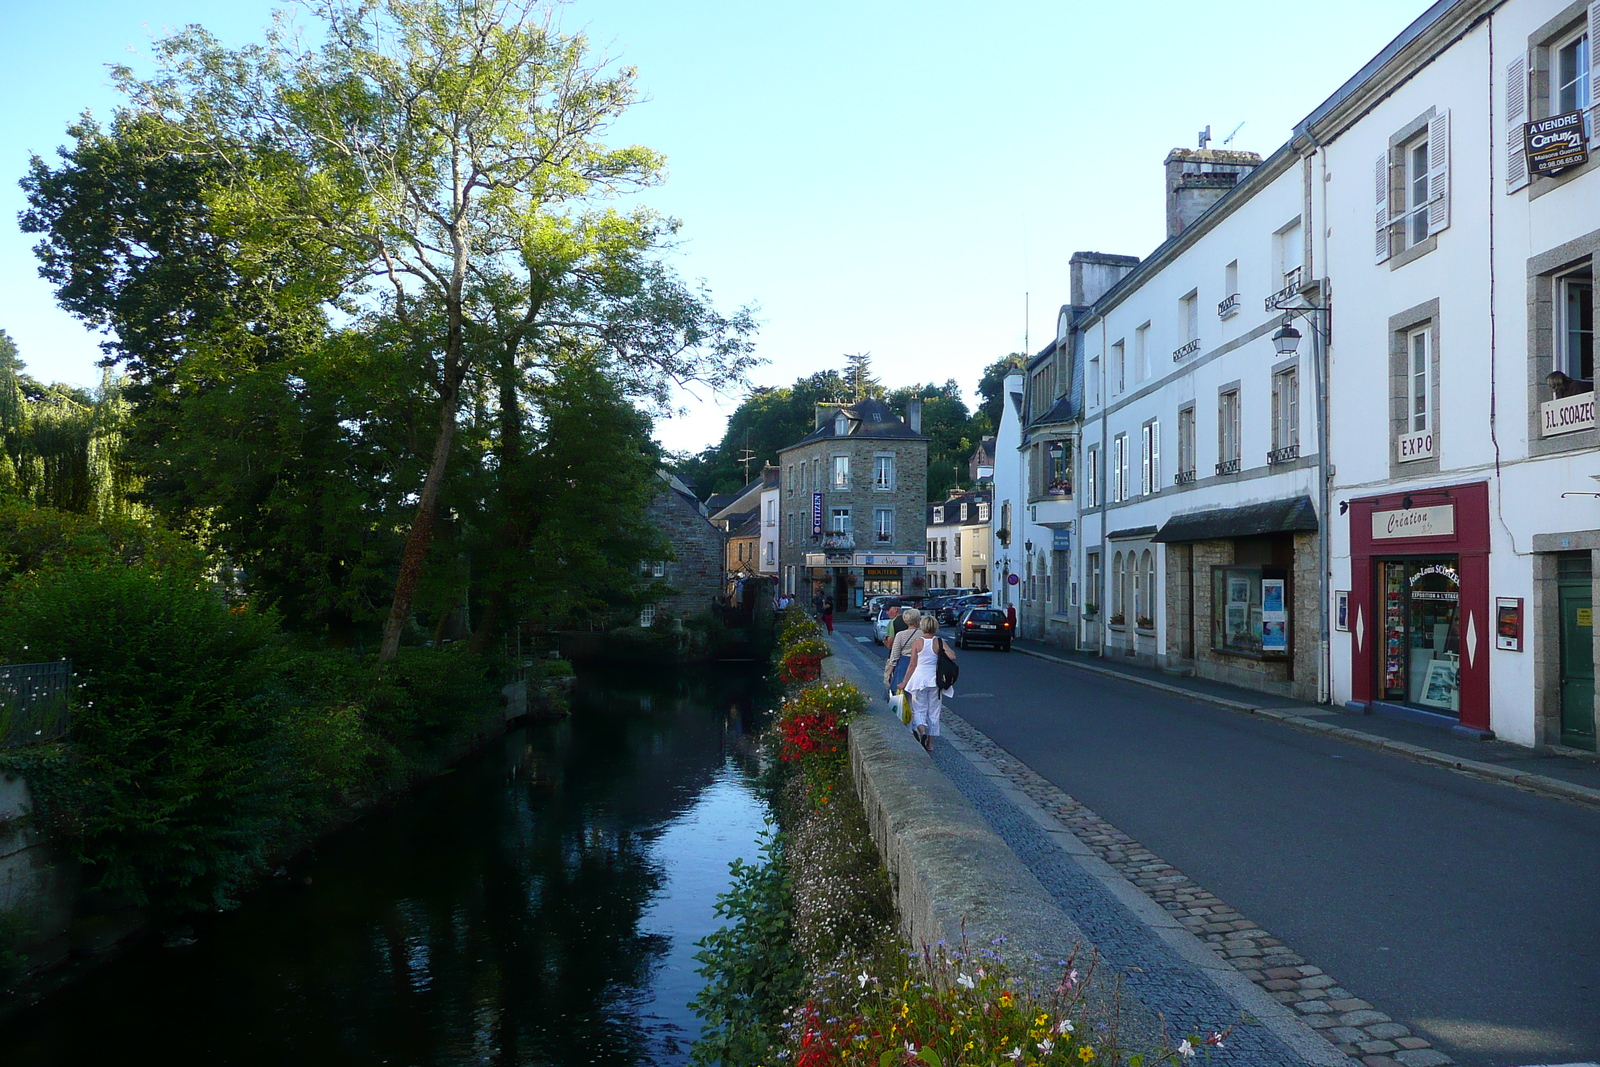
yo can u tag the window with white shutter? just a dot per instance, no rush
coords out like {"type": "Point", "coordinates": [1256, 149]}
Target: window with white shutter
{"type": "Point", "coordinates": [1516, 116]}
{"type": "Point", "coordinates": [1385, 248]}
{"type": "Point", "coordinates": [1439, 172]}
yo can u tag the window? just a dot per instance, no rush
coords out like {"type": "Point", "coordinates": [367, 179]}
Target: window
{"type": "Point", "coordinates": [1189, 315]}
{"type": "Point", "coordinates": [944, 550]}
{"type": "Point", "coordinates": [772, 513]}
{"type": "Point", "coordinates": [964, 512]}
{"type": "Point", "coordinates": [1419, 375]}
{"type": "Point", "coordinates": [1094, 381]}
{"type": "Point", "coordinates": [883, 473]}
{"type": "Point", "coordinates": [1250, 610]}
{"type": "Point", "coordinates": [1119, 577]}
{"type": "Point", "coordinates": [1150, 457]}
{"type": "Point", "coordinates": [647, 615]}
{"type": "Point", "coordinates": [1141, 353]}
{"type": "Point", "coordinates": [1413, 187]}
{"type": "Point", "coordinates": [1091, 478]}
{"type": "Point", "coordinates": [1119, 368]}
{"type": "Point", "coordinates": [1228, 432]}
{"type": "Point", "coordinates": [841, 426]}
{"type": "Point", "coordinates": [1569, 75]}
{"type": "Point", "coordinates": [840, 521]}
{"type": "Point", "coordinates": [1186, 462]}
{"type": "Point", "coordinates": [1230, 279]}
{"type": "Point", "coordinates": [1288, 251]}
{"type": "Point", "coordinates": [1091, 584]}
{"type": "Point", "coordinates": [658, 569]}
{"type": "Point", "coordinates": [1575, 324]}
{"type": "Point", "coordinates": [1414, 225]}
{"type": "Point", "coordinates": [938, 515]}
{"type": "Point", "coordinates": [1146, 619]}
{"type": "Point", "coordinates": [958, 544]}
{"type": "Point", "coordinates": [1286, 408]}
{"type": "Point", "coordinates": [983, 512]}
{"type": "Point", "coordinates": [1119, 468]}
{"type": "Point", "coordinates": [841, 472]}
{"type": "Point", "coordinates": [771, 550]}
{"type": "Point", "coordinates": [883, 524]}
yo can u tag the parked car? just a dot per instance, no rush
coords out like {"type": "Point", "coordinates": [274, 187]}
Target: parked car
{"type": "Point", "coordinates": [952, 609]}
{"type": "Point", "coordinates": [870, 609]}
{"type": "Point", "coordinates": [884, 619]}
{"type": "Point", "coordinates": [983, 626]}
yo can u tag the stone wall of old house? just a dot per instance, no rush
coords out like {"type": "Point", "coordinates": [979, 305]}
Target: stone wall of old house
{"type": "Point", "coordinates": [908, 498]}
{"type": "Point", "coordinates": [1188, 621]}
{"type": "Point", "coordinates": [696, 571]}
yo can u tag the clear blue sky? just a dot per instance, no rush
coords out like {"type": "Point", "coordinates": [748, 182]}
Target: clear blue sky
{"type": "Point", "coordinates": [888, 177]}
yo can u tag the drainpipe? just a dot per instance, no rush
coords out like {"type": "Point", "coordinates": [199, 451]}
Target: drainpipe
{"type": "Point", "coordinates": [1319, 360]}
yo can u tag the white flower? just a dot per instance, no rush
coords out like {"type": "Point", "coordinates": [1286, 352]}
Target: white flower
{"type": "Point", "coordinates": [862, 978]}
{"type": "Point", "coordinates": [1186, 1050]}
{"type": "Point", "coordinates": [965, 982]}
{"type": "Point", "coordinates": [1064, 1026]}
{"type": "Point", "coordinates": [1045, 1046]}
{"type": "Point", "coordinates": [1015, 1054]}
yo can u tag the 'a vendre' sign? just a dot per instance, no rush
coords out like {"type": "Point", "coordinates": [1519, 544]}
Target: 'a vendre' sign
{"type": "Point", "coordinates": [1567, 415]}
{"type": "Point", "coordinates": [1436, 521]}
{"type": "Point", "coordinates": [1556, 143]}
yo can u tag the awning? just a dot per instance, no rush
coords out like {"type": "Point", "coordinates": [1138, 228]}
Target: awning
{"type": "Point", "coordinates": [1274, 516]}
{"type": "Point", "coordinates": [1132, 533]}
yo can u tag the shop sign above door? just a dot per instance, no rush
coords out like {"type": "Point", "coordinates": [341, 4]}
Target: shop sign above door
{"type": "Point", "coordinates": [1436, 521]}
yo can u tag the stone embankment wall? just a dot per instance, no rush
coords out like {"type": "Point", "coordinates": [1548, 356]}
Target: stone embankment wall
{"type": "Point", "coordinates": [950, 872]}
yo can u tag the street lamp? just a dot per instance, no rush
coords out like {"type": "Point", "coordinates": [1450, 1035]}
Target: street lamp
{"type": "Point", "coordinates": [1286, 340]}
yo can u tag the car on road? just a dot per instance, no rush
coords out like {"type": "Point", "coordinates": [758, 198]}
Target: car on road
{"type": "Point", "coordinates": [883, 619]}
{"type": "Point", "coordinates": [983, 626]}
{"type": "Point", "coordinates": [870, 609]}
{"type": "Point", "coordinates": [951, 610]}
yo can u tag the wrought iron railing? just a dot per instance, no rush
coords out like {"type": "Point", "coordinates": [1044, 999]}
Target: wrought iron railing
{"type": "Point", "coordinates": [33, 702]}
{"type": "Point", "coordinates": [1183, 477]}
{"type": "Point", "coordinates": [1228, 466]}
{"type": "Point", "coordinates": [1283, 455]}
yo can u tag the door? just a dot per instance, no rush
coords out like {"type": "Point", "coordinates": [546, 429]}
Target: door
{"type": "Point", "coordinates": [1577, 651]}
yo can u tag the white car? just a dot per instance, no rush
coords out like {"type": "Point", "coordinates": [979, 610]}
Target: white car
{"type": "Point", "coordinates": [870, 610]}
{"type": "Point", "coordinates": [882, 620]}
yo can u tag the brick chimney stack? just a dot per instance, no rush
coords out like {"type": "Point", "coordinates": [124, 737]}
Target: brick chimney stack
{"type": "Point", "coordinates": [1198, 178]}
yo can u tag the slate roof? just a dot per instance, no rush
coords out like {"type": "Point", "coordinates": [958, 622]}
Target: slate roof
{"type": "Point", "coordinates": [952, 507]}
{"type": "Point", "coordinates": [868, 418]}
{"type": "Point", "coordinates": [1274, 516]}
{"type": "Point", "coordinates": [745, 524]}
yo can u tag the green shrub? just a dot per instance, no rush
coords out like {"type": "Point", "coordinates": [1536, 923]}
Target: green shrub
{"type": "Point", "coordinates": [753, 974]}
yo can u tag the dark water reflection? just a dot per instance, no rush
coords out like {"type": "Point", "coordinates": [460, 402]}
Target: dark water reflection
{"type": "Point", "coordinates": [536, 906]}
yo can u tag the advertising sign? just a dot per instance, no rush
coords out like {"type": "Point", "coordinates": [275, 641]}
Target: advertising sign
{"type": "Point", "coordinates": [1274, 617]}
{"type": "Point", "coordinates": [816, 514]}
{"type": "Point", "coordinates": [1508, 623]}
{"type": "Point", "coordinates": [1437, 521]}
{"type": "Point", "coordinates": [1555, 143]}
{"type": "Point", "coordinates": [1062, 541]}
{"type": "Point", "coordinates": [1410, 447]}
{"type": "Point", "coordinates": [1567, 415]}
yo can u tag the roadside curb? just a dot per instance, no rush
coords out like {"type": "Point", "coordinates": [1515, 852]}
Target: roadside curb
{"type": "Point", "coordinates": [1533, 783]}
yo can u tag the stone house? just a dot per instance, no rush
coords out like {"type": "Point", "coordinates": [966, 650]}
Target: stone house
{"type": "Point", "coordinates": [695, 570]}
{"type": "Point", "coordinates": [959, 543]}
{"type": "Point", "coordinates": [851, 501]}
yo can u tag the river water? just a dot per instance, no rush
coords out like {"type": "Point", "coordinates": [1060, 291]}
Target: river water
{"type": "Point", "coordinates": [538, 905]}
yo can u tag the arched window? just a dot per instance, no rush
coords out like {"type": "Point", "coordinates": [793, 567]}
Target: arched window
{"type": "Point", "coordinates": [1118, 576]}
{"type": "Point", "coordinates": [1149, 568]}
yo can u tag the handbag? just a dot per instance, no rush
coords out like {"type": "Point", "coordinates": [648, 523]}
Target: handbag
{"type": "Point", "coordinates": [902, 703]}
{"type": "Point", "coordinates": [945, 669]}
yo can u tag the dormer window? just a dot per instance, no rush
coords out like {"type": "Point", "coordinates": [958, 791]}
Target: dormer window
{"type": "Point", "coordinates": [841, 426]}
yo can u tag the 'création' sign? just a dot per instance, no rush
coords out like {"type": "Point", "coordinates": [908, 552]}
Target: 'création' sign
{"type": "Point", "coordinates": [1436, 521]}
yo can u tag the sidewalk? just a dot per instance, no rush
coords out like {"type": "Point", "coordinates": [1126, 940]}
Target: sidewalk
{"type": "Point", "coordinates": [1540, 771]}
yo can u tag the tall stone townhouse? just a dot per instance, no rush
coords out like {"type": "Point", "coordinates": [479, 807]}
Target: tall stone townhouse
{"type": "Point", "coordinates": [694, 572]}
{"type": "Point", "coordinates": [851, 500]}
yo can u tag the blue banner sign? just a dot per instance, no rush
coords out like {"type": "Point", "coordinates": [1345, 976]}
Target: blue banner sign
{"type": "Point", "coordinates": [1062, 542]}
{"type": "Point", "coordinates": [816, 513]}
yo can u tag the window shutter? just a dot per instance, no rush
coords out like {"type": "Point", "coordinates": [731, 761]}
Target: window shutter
{"type": "Point", "coordinates": [1516, 115]}
{"type": "Point", "coordinates": [1155, 457]}
{"type": "Point", "coordinates": [1383, 206]}
{"type": "Point", "coordinates": [1144, 462]}
{"type": "Point", "coordinates": [1594, 74]}
{"type": "Point", "coordinates": [1439, 172]}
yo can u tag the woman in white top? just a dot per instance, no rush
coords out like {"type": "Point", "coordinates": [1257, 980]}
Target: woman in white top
{"type": "Point", "coordinates": [894, 672]}
{"type": "Point", "coordinates": [921, 680]}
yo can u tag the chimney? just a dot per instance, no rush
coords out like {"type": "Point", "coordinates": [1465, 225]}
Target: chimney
{"type": "Point", "coordinates": [824, 414]}
{"type": "Point", "coordinates": [1198, 178]}
{"type": "Point", "coordinates": [914, 414]}
{"type": "Point", "coordinates": [1094, 273]}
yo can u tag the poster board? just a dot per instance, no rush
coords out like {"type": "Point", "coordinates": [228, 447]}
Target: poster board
{"type": "Point", "coordinates": [1274, 616]}
{"type": "Point", "coordinates": [1341, 610]}
{"type": "Point", "coordinates": [1508, 623]}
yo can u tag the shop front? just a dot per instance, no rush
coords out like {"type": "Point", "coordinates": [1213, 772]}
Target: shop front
{"type": "Point", "coordinates": [852, 578]}
{"type": "Point", "coordinates": [1418, 611]}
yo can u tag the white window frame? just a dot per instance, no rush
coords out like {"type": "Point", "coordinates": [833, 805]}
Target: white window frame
{"type": "Point", "coordinates": [1419, 385]}
{"type": "Point", "coordinates": [647, 616]}
{"type": "Point", "coordinates": [1415, 159]}
{"type": "Point", "coordinates": [983, 512]}
{"type": "Point", "coordinates": [1189, 310]}
{"type": "Point", "coordinates": [1186, 456]}
{"type": "Point", "coordinates": [841, 425]}
{"type": "Point", "coordinates": [1566, 361]}
{"type": "Point", "coordinates": [883, 473]}
{"type": "Point", "coordinates": [1119, 357]}
{"type": "Point", "coordinates": [839, 521]}
{"type": "Point", "coordinates": [1150, 457]}
{"type": "Point", "coordinates": [1141, 353]}
{"type": "Point", "coordinates": [1091, 477]}
{"type": "Point", "coordinates": [883, 525]}
{"type": "Point", "coordinates": [938, 515]}
{"type": "Point", "coordinates": [1286, 408]}
{"type": "Point", "coordinates": [1094, 381]}
{"type": "Point", "coordinates": [1228, 426]}
{"type": "Point", "coordinates": [1119, 473]}
{"type": "Point", "coordinates": [841, 472]}
{"type": "Point", "coordinates": [1578, 41]}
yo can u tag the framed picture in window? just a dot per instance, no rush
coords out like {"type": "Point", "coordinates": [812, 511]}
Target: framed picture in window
{"type": "Point", "coordinates": [1341, 610]}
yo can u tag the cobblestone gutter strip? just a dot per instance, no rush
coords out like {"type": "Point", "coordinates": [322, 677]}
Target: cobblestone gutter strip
{"type": "Point", "coordinates": [1349, 1024]}
{"type": "Point", "coordinates": [1533, 783]}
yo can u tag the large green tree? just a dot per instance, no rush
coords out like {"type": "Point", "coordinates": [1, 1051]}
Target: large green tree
{"type": "Point", "coordinates": [991, 390]}
{"type": "Point", "coordinates": [456, 148]}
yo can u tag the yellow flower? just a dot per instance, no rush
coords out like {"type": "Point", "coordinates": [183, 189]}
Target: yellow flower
{"type": "Point", "coordinates": [1085, 1053]}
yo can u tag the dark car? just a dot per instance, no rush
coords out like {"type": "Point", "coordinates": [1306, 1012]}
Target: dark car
{"type": "Point", "coordinates": [951, 609]}
{"type": "Point", "coordinates": [983, 626]}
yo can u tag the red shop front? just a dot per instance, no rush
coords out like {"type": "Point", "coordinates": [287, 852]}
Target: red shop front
{"type": "Point", "coordinates": [1419, 605]}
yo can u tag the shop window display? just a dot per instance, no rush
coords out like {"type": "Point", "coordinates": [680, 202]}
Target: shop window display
{"type": "Point", "coordinates": [1421, 633]}
{"type": "Point", "coordinates": [1249, 611]}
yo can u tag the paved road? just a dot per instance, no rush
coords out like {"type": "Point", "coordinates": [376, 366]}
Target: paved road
{"type": "Point", "coordinates": [1468, 909]}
